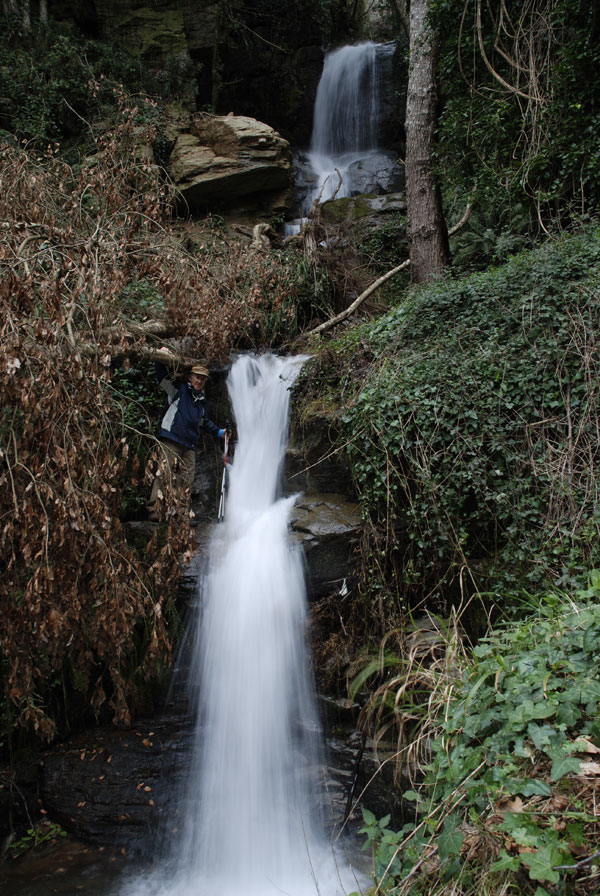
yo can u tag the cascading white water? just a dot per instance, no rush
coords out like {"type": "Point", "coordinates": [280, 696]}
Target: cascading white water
{"type": "Point", "coordinates": [252, 824]}
{"type": "Point", "coordinates": [346, 110]}
{"type": "Point", "coordinates": [346, 115]}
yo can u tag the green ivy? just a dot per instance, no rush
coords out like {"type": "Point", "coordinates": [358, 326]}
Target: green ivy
{"type": "Point", "coordinates": [519, 738]}
{"type": "Point", "coordinates": [473, 432]}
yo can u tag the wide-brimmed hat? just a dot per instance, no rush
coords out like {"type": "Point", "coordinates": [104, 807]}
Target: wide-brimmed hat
{"type": "Point", "coordinates": [199, 370]}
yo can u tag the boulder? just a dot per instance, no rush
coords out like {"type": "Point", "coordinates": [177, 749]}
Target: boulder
{"type": "Point", "coordinates": [369, 210]}
{"type": "Point", "coordinates": [231, 162]}
{"type": "Point", "coordinates": [376, 173]}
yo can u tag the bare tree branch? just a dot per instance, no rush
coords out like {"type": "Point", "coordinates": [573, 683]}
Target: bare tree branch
{"type": "Point", "coordinates": [328, 324]}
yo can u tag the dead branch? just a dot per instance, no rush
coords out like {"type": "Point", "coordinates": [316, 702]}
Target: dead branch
{"type": "Point", "coordinates": [328, 324]}
{"type": "Point", "coordinates": [147, 353]}
{"type": "Point", "coordinates": [138, 328]}
{"type": "Point", "coordinates": [358, 301]}
{"type": "Point", "coordinates": [463, 220]}
{"type": "Point", "coordinates": [120, 352]}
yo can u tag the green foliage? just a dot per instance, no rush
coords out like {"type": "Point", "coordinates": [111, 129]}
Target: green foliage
{"type": "Point", "coordinates": [43, 833]}
{"type": "Point", "coordinates": [506, 793]}
{"type": "Point", "coordinates": [474, 433]}
{"type": "Point", "coordinates": [45, 90]}
{"type": "Point", "coordinates": [53, 82]}
{"type": "Point", "coordinates": [283, 291]}
{"type": "Point", "coordinates": [141, 298]}
{"type": "Point", "coordinates": [492, 234]}
{"type": "Point", "coordinates": [527, 136]}
{"type": "Point", "coordinates": [386, 246]}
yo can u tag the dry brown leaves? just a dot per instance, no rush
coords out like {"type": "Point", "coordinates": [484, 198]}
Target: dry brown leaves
{"type": "Point", "coordinates": [71, 239]}
{"type": "Point", "coordinates": [72, 590]}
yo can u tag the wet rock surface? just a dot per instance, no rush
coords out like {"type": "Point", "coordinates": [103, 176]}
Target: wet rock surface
{"type": "Point", "coordinates": [314, 463]}
{"type": "Point", "coordinates": [377, 173]}
{"type": "Point", "coordinates": [61, 868]}
{"type": "Point", "coordinates": [328, 528]}
{"type": "Point", "coordinates": [125, 789]}
{"type": "Point", "coordinates": [116, 787]}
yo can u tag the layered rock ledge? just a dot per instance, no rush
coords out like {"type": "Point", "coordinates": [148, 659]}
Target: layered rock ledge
{"type": "Point", "coordinates": [222, 161]}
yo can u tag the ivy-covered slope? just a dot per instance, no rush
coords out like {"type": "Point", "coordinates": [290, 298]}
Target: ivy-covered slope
{"type": "Point", "coordinates": [474, 435]}
{"type": "Point", "coordinates": [471, 419]}
{"type": "Point", "coordinates": [508, 802]}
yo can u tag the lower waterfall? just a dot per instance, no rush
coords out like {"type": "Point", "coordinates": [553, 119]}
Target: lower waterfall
{"type": "Point", "coordinates": [252, 819]}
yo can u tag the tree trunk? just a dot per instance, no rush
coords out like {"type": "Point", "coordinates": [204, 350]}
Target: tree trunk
{"type": "Point", "coordinates": [427, 234]}
{"type": "Point", "coordinates": [44, 12]}
{"type": "Point", "coordinates": [26, 16]}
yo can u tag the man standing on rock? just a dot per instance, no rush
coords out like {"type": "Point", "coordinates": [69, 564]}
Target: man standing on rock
{"type": "Point", "coordinates": [181, 425]}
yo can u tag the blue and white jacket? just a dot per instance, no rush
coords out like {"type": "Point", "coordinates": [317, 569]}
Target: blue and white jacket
{"type": "Point", "coordinates": [185, 415]}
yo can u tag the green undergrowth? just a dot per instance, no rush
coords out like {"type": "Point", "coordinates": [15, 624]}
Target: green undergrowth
{"type": "Point", "coordinates": [471, 421]}
{"type": "Point", "coordinates": [43, 834]}
{"type": "Point", "coordinates": [508, 800]}
{"type": "Point", "coordinates": [54, 82]}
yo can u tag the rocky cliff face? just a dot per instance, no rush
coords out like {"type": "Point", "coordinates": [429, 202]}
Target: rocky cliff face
{"type": "Point", "coordinates": [234, 56]}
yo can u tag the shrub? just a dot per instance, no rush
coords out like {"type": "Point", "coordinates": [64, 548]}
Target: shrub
{"type": "Point", "coordinates": [473, 439]}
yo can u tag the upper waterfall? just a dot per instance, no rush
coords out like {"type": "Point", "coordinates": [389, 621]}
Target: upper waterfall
{"type": "Point", "coordinates": [347, 104]}
{"type": "Point", "coordinates": [344, 157]}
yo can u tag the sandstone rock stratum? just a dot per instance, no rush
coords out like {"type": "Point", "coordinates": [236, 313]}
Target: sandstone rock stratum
{"type": "Point", "coordinates": [230, 162]}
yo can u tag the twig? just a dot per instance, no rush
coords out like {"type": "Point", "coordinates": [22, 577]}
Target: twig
{"type": "Point", "coordinates": [327, 456]}
{"type": "Point", "coordinates": [425, 820]}
{"type": "Point", "coordinates": [578, 864]}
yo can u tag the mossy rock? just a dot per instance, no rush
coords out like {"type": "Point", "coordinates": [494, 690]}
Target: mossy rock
{"type": "Point", "coordinates": [364, 206]}
{"type": "Point", "coordinates": [156, 33]}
